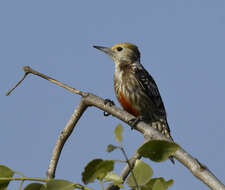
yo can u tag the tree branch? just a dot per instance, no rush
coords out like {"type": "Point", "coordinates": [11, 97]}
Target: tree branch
{"type": "Point", "coordinates": [198, 169]}
{"type": "Point", "coordinates": [63, 137]}
{"type": "Point", "coordinates": [29, 70]}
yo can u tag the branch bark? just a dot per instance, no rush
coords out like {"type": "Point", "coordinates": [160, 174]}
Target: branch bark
{"type": "Point", "coordinates": [63, 137]}
{"type": "Point", "coordinates": [88, 99]}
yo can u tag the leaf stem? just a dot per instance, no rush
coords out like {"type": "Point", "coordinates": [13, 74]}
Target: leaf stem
{"type": "Point", "coordinates": [128, 162]}
{"type": "Point", "coordinates": [102, 185]}
{"type": "Point", "coordinates": [23, 179]}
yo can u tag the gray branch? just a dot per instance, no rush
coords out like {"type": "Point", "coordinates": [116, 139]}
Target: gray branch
{"type": "Point", "coordinates": [88, 99]}
{"type": "Point", "coordinates": [64, 135]}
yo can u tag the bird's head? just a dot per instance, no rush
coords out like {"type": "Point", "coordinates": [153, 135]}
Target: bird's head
{"type": "Point", "coordinates": [122, 52]}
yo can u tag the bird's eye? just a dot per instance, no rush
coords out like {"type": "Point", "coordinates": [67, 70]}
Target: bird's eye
{"type": "Point", "coordinates": [119, 49]}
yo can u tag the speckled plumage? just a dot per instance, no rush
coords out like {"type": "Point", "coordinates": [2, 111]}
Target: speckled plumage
{"type": "Point", "coordinates": [135, 88]}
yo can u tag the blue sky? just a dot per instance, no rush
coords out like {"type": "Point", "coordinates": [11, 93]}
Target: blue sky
{"type": "Point", "coordinates": [182, 45]}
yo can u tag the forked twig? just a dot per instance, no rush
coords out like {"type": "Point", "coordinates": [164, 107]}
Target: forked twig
{"type": "Point", "coordinates": [29, 70]}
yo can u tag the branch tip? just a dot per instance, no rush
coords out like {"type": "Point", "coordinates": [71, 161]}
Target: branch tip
{"type": "Point", "coordinates": [26, 69]}
{"type": "Point", "coordinates": [17, 84]}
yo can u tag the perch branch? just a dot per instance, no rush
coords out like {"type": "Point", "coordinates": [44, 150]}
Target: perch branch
{"type": "Point", "coordinates": [198, 169]}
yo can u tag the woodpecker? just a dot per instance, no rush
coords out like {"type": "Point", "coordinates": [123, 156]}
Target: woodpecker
{"type": "Point", "coordinates": [135, 88]}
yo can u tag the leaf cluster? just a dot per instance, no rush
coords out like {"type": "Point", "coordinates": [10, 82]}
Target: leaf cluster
{"type": "Point", "coordinates": [102, 170]}
{"type": "Point", "coordinates": [155, 150]}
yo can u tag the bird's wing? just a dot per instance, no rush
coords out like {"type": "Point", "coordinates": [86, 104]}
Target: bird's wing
{"type": "Point", "coordinates": [150, 88]}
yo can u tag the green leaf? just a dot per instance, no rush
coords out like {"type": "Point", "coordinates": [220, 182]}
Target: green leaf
{"type": "Point", "coordinates": [154, 183]}
{"type": "Point", "coordinates": [96, 169]}
{"type": "Point", "coordinates": [142, 172]}
{"type": "Point", "coordinates": [165, 183]}
{"type": "Point", "coordinates": [115, 178]}
{"type": "Point", "coordinates": [158, 186]}
{"type": "Point", "coordinates": [103, 168]}
{"type": "Point", "coordinates": [158, 150]}
{"type": "Point", "coordinates": [119, 133]}
{"type": "Point", "coordinates": [59, 184]}
{"type": "Point", "coordinates": [5, 172]}
{"type": "Point", "coordinates": [35, 186]}
{"type": "Point", "coordinates": [89, 170]}
{"type": "Point", "coordinates": [111, 148]}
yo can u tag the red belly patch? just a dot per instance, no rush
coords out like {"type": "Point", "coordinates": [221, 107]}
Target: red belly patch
{"type": "Point", "coordinates": [127, 105]}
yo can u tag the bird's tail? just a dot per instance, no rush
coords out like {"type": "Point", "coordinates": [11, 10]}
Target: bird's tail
{"type": "Point", "coordinates": [163, 127]}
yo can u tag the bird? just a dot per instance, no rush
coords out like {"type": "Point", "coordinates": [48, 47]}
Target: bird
{"type": "Point", "coordinates": [136, 89]}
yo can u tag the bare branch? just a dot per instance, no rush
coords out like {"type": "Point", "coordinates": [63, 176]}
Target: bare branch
{"type": "Point", "coordinates": [198, 169]}
{"type": "Point", "coordinates": [63, 137]}
{"type": "Point", "coordinates": [29, 70]}
{"type": "Point", "coordinates": [17, 84]}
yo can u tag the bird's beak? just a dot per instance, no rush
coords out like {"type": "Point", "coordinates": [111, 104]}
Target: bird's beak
{"type": "Point", "coordinates": [106, 50]}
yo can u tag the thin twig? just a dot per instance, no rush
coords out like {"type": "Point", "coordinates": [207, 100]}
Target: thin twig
{"type": "Point", "coordinates": [29, 70]}
{"type": "Point", "coordinates": [17, 84]}
{"type": "Point", "coordinates": [130, 166]}
{"type": "Point", "coordinates": [23, 179]}
{"type": "Point", "coordinates": [125, 172]}
{"type": "Point", "coordinates": [63, 137]}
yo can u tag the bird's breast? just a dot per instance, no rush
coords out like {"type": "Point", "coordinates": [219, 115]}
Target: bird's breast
{"type": "Point", "coordinates": [127, 105]}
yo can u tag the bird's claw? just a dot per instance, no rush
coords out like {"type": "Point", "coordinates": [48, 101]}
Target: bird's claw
{"type": "Point", "coordinates": [110, 103]}
{"type": "Point", "coordinates": [133, 122]}
{"type": "Point", "coordinates": [106, 114]}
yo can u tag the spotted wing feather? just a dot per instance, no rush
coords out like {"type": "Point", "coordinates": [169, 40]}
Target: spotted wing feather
{"type": "Point", "coordinates": [149, 86]}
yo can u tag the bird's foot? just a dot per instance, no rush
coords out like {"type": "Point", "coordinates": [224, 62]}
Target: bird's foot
{"type": "Point", "coordinates": [172, 159]}
{"type": "Point", "coordinates": [133, 122]}
{"type": "Point", "coordinates": [110, 103]}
